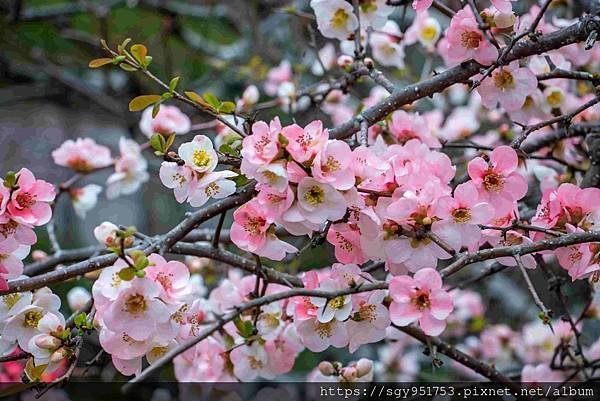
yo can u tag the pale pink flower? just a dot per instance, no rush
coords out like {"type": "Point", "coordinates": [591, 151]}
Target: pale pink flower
{"type": "Point", "coordinates": [274, 174]}
{"type": "Point", "coordinates": [346, 240]}
{"type": "Point", "coordinates": [425, 30]}
{"type": "Point", "coordinates": [77, 298]}
{"type": "Point", "coordinates": [44, 346]}
{"type": "Point", "coordinates": [332, 165]}
{"type": "Point", "coordinates": [215, 184]}
{"type": "Point", "coordinates": [172, 276]}
{"type": "Point", "coordinates": [421, 5]}
{"type": "Point", "coordinates": [137, 310]}
{"type": "Point", "coordinates": [283, 350]}
{"type": "Point", "coordinates": [405, 126]}
{"type": "Point", "coordinates": [263, 146]}
{"type": "Point", "coordinates": [504, 6]}
{"type": "Point", "coordinates": [387, 48]}
{"type": "Point", "coordinates": [250, 361]}
{"type": "Point", "coordinates": [203, 362]}
{"type": "Point", "coordinates": [305, 143]}
{"type": "Point", "coordinates": [106, 233]}
{"type": "Point", "coordinates": [568, 204]}
{"type": "Point", "coordinates": [276, 76]}
{"type": "Point", "coordinates": [29, 204]}
{"type": "Point", "coordinates": [180, 179]}
{"type": "Point", "coordinates": [199, 154]}
{"type": "Point", "coordinates": [319, 202]}
{"type": "Point", "coordinates": [130, 170]}
{"type": "Point", "coordinates": [249, 98]}
{"type": "Point", "coordinates": [85, 198]}
{"type": "Point", "coordinates": [497, 181]}
{"type": "Point", "coordinates": [464, 40]}
{"type": "Point", "coordinates": [511, 238]}
{"type": "Point", "coordinates": [169, 120]}
{"type": "Point", "coordinates": [338, 308]}
{"type": "Point", "coordinates": [11, 261]}
{"type": "Point", "coordinates": [276, 202]}
{"type": "Point", "coordinates": [317, 336]}
{"type": "Point", "coordinates": [461, 216]}
{"type": "Point", "coordinates": [420, 298]}
{"type": "Point", "coordinates": [368, 320]}
{"type": "Point", "coordinates": [335, 18]}
{"type": "Point", "coordinates": [509, 85]}
{"type": "Point", "coordinates": [82, 155]}
{"type": "Point", "coordinates": [11, 230]}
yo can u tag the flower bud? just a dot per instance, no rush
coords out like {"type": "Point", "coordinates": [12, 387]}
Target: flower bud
{"type": "Point", "coordinates": [106, 233]}
{"type": "Point", "coordinates": [250, 95]}
{"type": "Point", "coordinates": [326, 368]}
{"type": "Point", "coordinates": [58, 355]}
{"type": "Point", "coordinates": [38, 255]}
{"type": "Point", "coordinates": [344, 60]}
{"type": "Point", "coordinates": [349, 373]}
{"type": "Point", "coordinates": [77, 298]}
{"type": "Point", "coordinates": [364, 366]}
{"type": "Point", "coordinates": [45, 341]}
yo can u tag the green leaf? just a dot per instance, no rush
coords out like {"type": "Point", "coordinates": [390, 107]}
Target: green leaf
{"type": "Point", "coordinates": [240, 180]}
{"type": "Point", "coordinates": [141, 102]}
{"type": "Point", "coordinates": [245, 327]}
{"type": "Point", "coordinates": [173, 84]}
{"type": "Point", "coordinates": [227, 150]}
{"type": "Point", "coordinates": [227, 107]}
{"type": "Point", "coordinates": [118, 59]}
{"type": "Point", "coordinates": [10, 179]}
{"type": "Point", "coordinates": [156, 109]}
{"type": "Point", "coordinates": [139, 52]}
{"type": "Point", "coordinates": [140, 274]}
{"type": "Point", "coordinates": [198, 99]}
{"type": "Point", "coordinates": [140, 260]}
{"type": "Point", "coordinates": [127, 274]}
{"type": "Point", "coordinates": [147, 61]}
{"type": "Point", "coordinates": [123, 45]}
{"type": "Point", "coordinates": [170, 140]}
{"type": "Point", "coordinates": [80, 320]}
{"type": "Point", "coordinates": [99, 62]}
{"type": "Point", "coordinates": [127, 67]}
{"type": "Point", "coordinates": [157, 141]}
{"type": "Point", "coordinates": [212, 100]}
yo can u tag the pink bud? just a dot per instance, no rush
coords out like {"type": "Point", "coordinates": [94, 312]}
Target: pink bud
{"type": "Point", "coordinates": [364, 367]}
{"type": "Point", "coordinates": [58, 355]}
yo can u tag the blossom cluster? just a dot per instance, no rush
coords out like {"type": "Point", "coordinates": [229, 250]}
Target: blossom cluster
{"type": "Point", "coordinates": [24, 204]}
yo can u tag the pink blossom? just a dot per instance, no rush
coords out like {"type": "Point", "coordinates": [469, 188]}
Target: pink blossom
{"type": "Point", "coordinates": [305, 143]}
{"type": "Point", "coordinates": [540, 374]}
{"type": "Point", "coordinates": [332, 165]}
{"type": "Point", "coordinates": [169, 120]}
{"type": "Point", "coordinates": [319, 202]}
{"type": "Point", "coordinates": [368, 320]}
{"type": "Point", "coordinates": [464, 40]}
{"type": "Point", "coordinates": [11, 266]}
{"type": "Point", "coordinates": [318, 336]}
{"type": "Point", "coordinates": [509, 86]}
{"type": "Point", "coordinates": [263, 146]}
{"type": "Point", "coordinates": [130, 170]}
{"type": "Point", "coordinates": [568, 204]}
{"type": "Point", "coordinates": [346, 240]}
{"type": "Point", "coordinates": [12, 230]}
{"type": "Point", "coordinates": [82, 155]}
{"type": "Point", "coordinates": [173, 277]}
{"type": "Point", "coordinates": [461, 216]}
{"type": "Point", "coordinates": [420, 298]}
{"type": "Point", "coordinates": [29, 204]}
{"type": "Point", "coordinates": [405, 126]}
{"type": "Point", "coordinates": [421, 5]}
{"type": "Point", "coordinates": [497, 181]}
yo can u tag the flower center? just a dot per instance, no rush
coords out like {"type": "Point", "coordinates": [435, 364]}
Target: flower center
{"type": "Point", "coordinates": [331, 165]}
{"type": "Point", "coordinates": [368, 6]}
{"type": "Point", "coordinates": [136, 304]}
{"type": "Point", "coordinates": [493, 182]}
{"type": "Point", "coordinates": [461, 215]}
{"type": "Point", "coordinates": [555, 98]}
{"type": "Point", "coordinates": [315, 195]}
{"type": "Point", "coordinates": [79, 164]}
{"type": "Point", "coordinates": [25, 200]}
{"type": "Point", "coordinates": [201, 158]}
{"type": "Point", "coordinates": [340, 18]}
{"type": "Point", "coordinates": [255, 363]}
{"type": "Point", "coordinates": [470, 39]}
{"type": "Point", "coordinates": [421, 300]}
{"type": "Point", "coordinates": [337, 302]}
{"type": "Point", "coordinates": [212, 189]}
{"type": "Point", "coordinates": [32, 318]}
{"type": "Point", "coordinates": [323, 329]}
{"type": "Point", "coordinates": [503, 79]}
{"type": "Point", "coordinates": [8, 229]}
{"type": "Point", "coordinates": [366, 312]}
{"type": "Point", "coordinates": [254, 225]}
{"type": "Point", "coordinates": [10, 300]}
{"type": "Point", "coordinates": [166, 280]}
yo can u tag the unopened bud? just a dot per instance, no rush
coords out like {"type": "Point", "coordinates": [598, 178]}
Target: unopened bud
{"type": "Point", "coordinates": [427, 221]}
{"type": "Point", "coordinates": [369, 62]}
{"type": "Point", "coordinates": [45, 341]}
{"type": "Point", "coordinates": [58, 355]}
{"type": "Point", "coordinates": [349, 373]}
{"type": "Point", "coordinates": [38, 255]}
{"type": "Point", "coordinates": [106, 233]}
{"type": "Point", "coordinates": [364, 366]}
{"type": "Point", "coordinates": [326, 368]}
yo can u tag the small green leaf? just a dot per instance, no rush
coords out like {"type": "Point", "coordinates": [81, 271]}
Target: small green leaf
{"type": "Point", "coordinates": [127, 67]}
{"type": "Point", "coordinates": [123, 45]}
{"type": "Point", "coordinates": [240, 180]}
{"type": "Point", "coordinates": [198, 99]}
{"type": "Point", "coordinates": [127, 274]}
{"type": "Point", "coordinates": [80, 320]}
{"type": "Point", "coordinates": [173, 84]}
{"type": "Point", "coordinates": [227, 150]}
{"type": "Point", "coordinates": [227, 107]}
{"type": "Point", "coordinates": [212, 100]}
{"type": "Point", "coordinates": [156, 109]}
{"type": "Point", "coordinates": [140, 273]}
{"type": "Point", "coordinates": [99, 62]}
{"type": "Point", "coordinates": [157, 141]}
{"type": "Point", "coordinates": [139, 52]}
{"type": "Point", "coordinates": [10, 179]}
{"type": "Point", "coordinates": [147, 61]}
{"type": "Point", "coordinates": [118, 59]}
{"type": "Point", "coordinates": [170, 140]}
{"type": "Point", "coordinates": [141, 102]}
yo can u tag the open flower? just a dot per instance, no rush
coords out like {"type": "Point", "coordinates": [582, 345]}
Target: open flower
{"type": "Point", "coordinates": [199, 154]}
{"type": "Point", "coordinates": [320, 202]}
{"type": "Point", "coordinates": [82, 155]}
{"type": "Point", "coordinates": [304, 143]}
{"type": "Point", "coordinates": [215, 185]}
{"type": "Point", "coordinates": [130, 170]}
{"type": "Point", "coordinates": [509, 85]}
{"type": "Point", "coordinates": [29, 204]}
{"type": "Point", "coordinates": [85, 198]}
{"type": "Point", "coordinates": [169, 120]}
{"type": "Point", "coordinates": [497, 181]}
{"type": "Point", "coordinates": [420, 298]}
{"type": "Point", "coordinates": [332, 165]}
{"type": "Point", "coordinates": [464, 40]}
{"type": "Point", "coordinates": [335, 18]}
